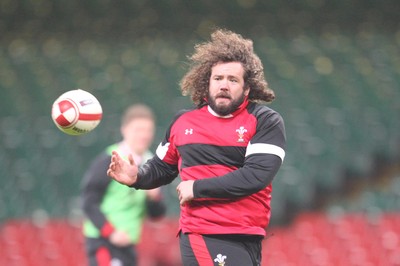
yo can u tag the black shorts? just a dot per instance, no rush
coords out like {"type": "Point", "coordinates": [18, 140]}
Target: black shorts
{"type": "Point", "coordinates": [101, 252]}
{"type": "Point", "coordinates": [220, 250]}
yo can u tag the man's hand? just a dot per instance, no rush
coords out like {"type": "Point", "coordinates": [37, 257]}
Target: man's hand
{"type": "Point", "coordinates": [185, 191]}
{"type": "Point", "coordinates": [120, 239]}
{"type": "Point", "coordinates": [122, 171]}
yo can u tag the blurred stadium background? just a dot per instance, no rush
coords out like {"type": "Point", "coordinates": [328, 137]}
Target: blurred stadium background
{"type": "Point", "coordinates": [334, 65]}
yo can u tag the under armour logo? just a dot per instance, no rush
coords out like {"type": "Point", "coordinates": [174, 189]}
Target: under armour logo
{"type": "Point", "coordinates": [189, 131]}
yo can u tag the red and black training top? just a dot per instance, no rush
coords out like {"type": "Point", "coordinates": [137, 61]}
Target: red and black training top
{"type": "Point", "coordinates": [232, 159]}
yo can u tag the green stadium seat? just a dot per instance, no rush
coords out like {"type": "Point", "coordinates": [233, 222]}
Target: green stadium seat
{"type": "Point", "coordinates": [337, 94]}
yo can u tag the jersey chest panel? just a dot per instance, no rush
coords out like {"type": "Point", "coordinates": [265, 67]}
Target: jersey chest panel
{"type": "Point", "coordinates": [201, 127]}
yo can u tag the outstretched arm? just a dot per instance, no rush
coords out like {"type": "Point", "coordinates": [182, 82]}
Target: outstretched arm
{"type": "Point", "coordinates": [154, 173]}
{"type": "Point", "coordinates": [158, 171]}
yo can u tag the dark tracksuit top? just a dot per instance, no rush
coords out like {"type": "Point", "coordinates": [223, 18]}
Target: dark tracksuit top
{"type": "Point", "coordinates": [232, 159]}
{"type": "Point", "coordinates": [109, 205]}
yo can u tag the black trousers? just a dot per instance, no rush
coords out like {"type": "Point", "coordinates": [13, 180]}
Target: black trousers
{"type": "Point", "coordinates": [220, 250]}
{"type": "Point", "coordinates": [101, 252]}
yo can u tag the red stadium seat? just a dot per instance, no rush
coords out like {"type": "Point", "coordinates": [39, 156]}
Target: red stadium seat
{"type": "Point", "coordinates": [312, 240]}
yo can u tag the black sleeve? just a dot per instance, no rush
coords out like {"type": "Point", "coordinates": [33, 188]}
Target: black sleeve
{"type": "Point", "coordinates": [155, 173]}
{"type": "Point", "coordinates": [249, 179]}
{"type": "Point", "coordinates": [94, 185]}
{"type": "Point", "coordinates": [264, 157]}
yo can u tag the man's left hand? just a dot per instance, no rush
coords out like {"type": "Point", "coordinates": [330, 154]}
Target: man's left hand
{"type": "Point", "coordinates": [185, 191]}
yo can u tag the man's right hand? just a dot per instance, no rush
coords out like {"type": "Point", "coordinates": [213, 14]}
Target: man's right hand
{"type": "Point", "coordinates": [122, 171]}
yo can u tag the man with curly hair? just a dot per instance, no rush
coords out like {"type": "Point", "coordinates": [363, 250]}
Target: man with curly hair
{"type": "Point", "coordinates": [227, 150]}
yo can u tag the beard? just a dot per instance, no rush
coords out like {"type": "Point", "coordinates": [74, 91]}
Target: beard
{"type": "Point", "coordinates": [227, 109]}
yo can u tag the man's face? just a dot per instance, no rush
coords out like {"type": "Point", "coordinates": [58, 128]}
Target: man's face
{"type": "Point", "coordinates": [226, 89]}
{"type": "Point", "coordinates": [138, 134]}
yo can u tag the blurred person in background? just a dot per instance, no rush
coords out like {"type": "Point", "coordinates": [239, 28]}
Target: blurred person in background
{"type": "Point", "coordinates": [227, 151]}
{"type": "Point", "coordinates": [114, 212]}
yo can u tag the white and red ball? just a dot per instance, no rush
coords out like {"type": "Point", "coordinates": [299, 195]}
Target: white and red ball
{"type": "Point", "coordinates": [76, 112]}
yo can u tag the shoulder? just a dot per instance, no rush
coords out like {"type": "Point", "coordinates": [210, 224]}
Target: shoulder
{"type": "Point", "coordinates": [183, 113]}
{"type": "Point", "coordinates": [263, 112]}
{"type": "Point", "coordinates": [174, 121]}
{"type": "Point", "coordinates": [270, 126]}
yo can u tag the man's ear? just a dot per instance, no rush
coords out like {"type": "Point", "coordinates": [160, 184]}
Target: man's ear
{"type": "Point", "coordinates": [247, 91]}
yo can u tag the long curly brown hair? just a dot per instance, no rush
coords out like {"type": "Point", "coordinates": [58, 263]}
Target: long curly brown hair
{"type": "Point", "coordinates": [225, 46]}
